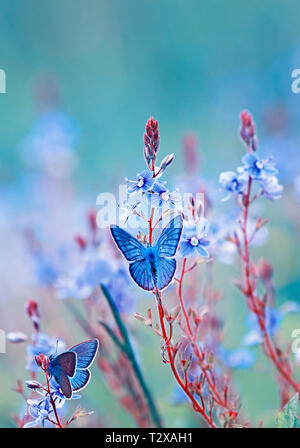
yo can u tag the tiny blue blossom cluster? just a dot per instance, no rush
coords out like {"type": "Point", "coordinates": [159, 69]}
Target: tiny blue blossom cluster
{"type": "Point", "coordinates": [41, 410]}
{"type": "Point", "coordinates": [194, 242]}
{"type": "Point", "coordinates": [43, 343]}
{"type": "Point", "coordinates": [155, 190]}
{"type": "Point", "coordinates": [263, 172]}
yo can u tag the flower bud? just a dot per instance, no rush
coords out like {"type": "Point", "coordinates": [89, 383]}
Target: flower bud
{"type": "Point", "coordinates": [265, 269]}
{"type": "Point", "coordinates": [32, 308]}
{"type": "Point", "coordinates": [80, 241]}
{"type": "Point", "coordinates": [248, 131]}
{"type": "Point", "coordinates": [166, 161]}
{"type": "Point", "coordinates": [16, 337]}
{"type": "Point", "coordinates": [34, 385]}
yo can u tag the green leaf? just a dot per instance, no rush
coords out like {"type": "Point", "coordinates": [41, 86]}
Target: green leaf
{"type": "Point", "coordinates": [287, 418]}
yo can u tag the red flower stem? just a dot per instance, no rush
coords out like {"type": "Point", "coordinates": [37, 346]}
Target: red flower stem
{"type": "Point", "coordinates": [254, 303]}
{"type": "Point", "coordinates": [52, 401]}
{"type": "Point", "coordinates": [150, 225]}
{"type": "Point", "coordinates": [167, 340]}
{"type": "Point", "coordinates": [171, 360]}
{"type": "Point", "coordinates": [218, 399]}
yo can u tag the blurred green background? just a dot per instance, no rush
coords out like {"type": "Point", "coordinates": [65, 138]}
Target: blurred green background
{"type": "Point", "coordinates": [193, 66]}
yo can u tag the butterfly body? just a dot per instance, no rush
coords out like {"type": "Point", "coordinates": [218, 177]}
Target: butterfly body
{"type": "Point", "coordinates": [151, 262]}
{"type": "Point", "coordinates": [70, 369]}
{"type": "Point", "coordinates": [152, 266]}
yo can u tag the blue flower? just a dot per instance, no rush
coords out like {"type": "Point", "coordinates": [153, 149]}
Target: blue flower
{"type": "Point", "coordinates": [50, 144]}
{"type": "Point", "coordinates": [160, 195]}
{"type": "Point", "coordinates": [39, 409]}
{"type": "Point", "coordinates": [128, 210]}
{"type": "Point", "coordinates": [43, 344]}
{"type": "Point", "coordinates": [273, 321]}
{"type": "Point", "coordinates": [222, 247]}
{"type": "Point", "coordinates": [271, 188]}
{"type": "Point", "coordinates": [257, 168]}
{"type": "Point", "coordinates": [290, 307]}
{"type": "Point", "coordinates": [82, 280]}
{"type": "Point", "coordinates": [232, 183]}
{"type": "Point", "coordinates": [194, 242]}
{"type": "Point", "coordinates": [257, 238]}
{"type": "Point", "coordinates": [239, 358]}
{"type": "Point", "coordinates": [46, 271]}
{"type": "Point", "coordinates": [118, 286]}
{"type": "Point", "coordinates": [144, 182]}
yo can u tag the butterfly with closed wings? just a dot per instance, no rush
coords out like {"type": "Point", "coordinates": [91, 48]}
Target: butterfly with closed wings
{"type": "Point", "coordinates": [71, 369]}
{"type": "Point", "coordinates": [150, 267]}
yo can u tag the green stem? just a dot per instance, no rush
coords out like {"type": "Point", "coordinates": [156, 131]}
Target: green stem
{"type": "Point", "coordinates": [131, 356]}
{"type": "Point", "coordinates": [113, 336]}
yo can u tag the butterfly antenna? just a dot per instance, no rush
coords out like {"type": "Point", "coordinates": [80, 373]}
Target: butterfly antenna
{"type": "Point", "coordinates": [56, 347]}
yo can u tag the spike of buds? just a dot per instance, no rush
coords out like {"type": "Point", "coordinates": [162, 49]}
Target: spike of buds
{"type": "Point", "coordinates": [42, 361]}
{"type": "Point", "coordinates": [80, 241]}
{"type": "Point", "coordinates": [151, 142]}
{"type": "Point", "coordinates": [33, 311]}
{"type": "Point", "coordinates": [248, 131]}
{"type": "Point", "coordinates": [92, 220]}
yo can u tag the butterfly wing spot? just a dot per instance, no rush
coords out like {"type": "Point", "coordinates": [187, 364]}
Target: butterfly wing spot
{"type": "Point", "coordinates": [130, 247]}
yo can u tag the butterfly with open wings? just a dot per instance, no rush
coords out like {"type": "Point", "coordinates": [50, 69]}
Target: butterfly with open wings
{"type": "Point", "coordinates": [71, 369]}
{"type": "Point", "coordinates": [151, 267]}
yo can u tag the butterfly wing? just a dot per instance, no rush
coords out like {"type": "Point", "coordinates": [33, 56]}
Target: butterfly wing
{"type": "Point", "coordinates": [141, 273]}
{"type": "Point", "coordinates": [165, 272]}
{"type": "Point", "coordinates": [130, 247]}
{"type": "Point", "coordinates": [64, 382]}
{"type": "Point", "coordinates": [167, 243]}
{"type": "Point", "coordinates": [65, 362]}
{"type": "Point", "coordinates": [85, 352]}
{"type": "Point", "coordinates": [81, 379]}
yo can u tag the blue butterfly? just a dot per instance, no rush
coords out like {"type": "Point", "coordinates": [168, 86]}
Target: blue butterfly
{"type": "Point", "coordinates": [70, 369]}
{"type": "Point", "coordinates": [152, 266]}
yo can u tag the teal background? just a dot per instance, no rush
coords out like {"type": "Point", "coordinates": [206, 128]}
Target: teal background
{"type": "Point", "coordinates": [193, 66]}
